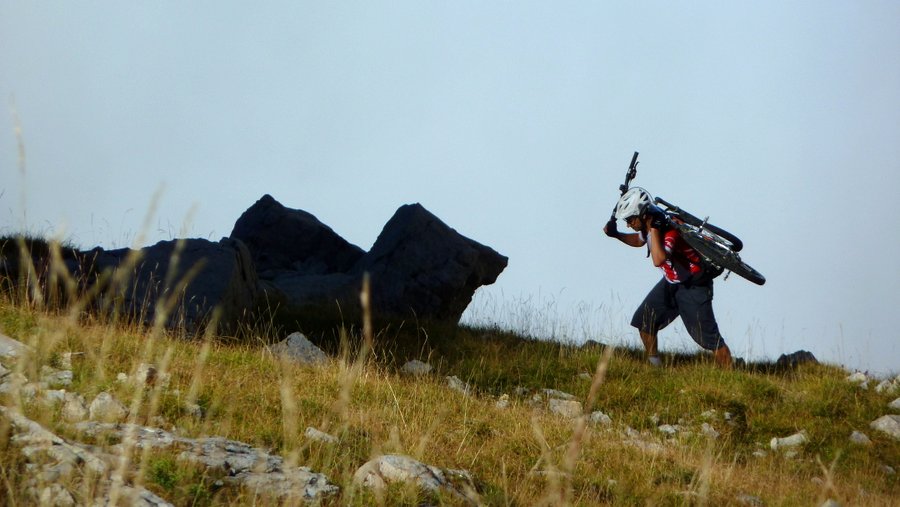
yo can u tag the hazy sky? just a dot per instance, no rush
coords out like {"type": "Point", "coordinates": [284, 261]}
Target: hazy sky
{"type": "Point", "coordinates": [513, 121]}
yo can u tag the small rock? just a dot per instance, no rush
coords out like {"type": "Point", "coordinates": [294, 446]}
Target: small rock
{"type": "Point", "coordinates": [709, 415]}
{"type": "Point", "coordinates": [121, 378]}
{"type": "Point", "coordinates": [655, 419]}
{"type": "Point", "coordinates": [559, 395]}
{"type": "Point", "coordinates": [320, 436]}
{"type": "Point", "coordinates": [857, 378]}
{"type": "Point", "coordinates": [521, 392]}
{"type": "Point", "coordinates": [753, 501]}
{"type": "Point", "coordinates": [790, 454]}
{"type": "Point", "coordinates": [52, 396]}
{"type": "Point", "coordinates": [565, 408]}
{"type": "Point", "coordinates": [56, 378]}
{"type": "Point", "coordinates": [759, 453]}
{"type": "Point", "coordinates": [502, 402]}
{"type": "Point", "coordinates": [831, 503]}
{"type": "Point", "coordinates": [817, 481]}
{"type": "Point", "coordinates": [707, 430]}
{"type": "Point", "coordinates": [10, 348]}
{"type": "Point", "coordinates": [194, 410]}
{"type": "Point", "coordinates": [894, 405]}
{"type": "Point", "coordinates": [298, 348]}
{"type": "Point", "coordinates": [787, 442]}
{"type": "Point", "coordinates": [394, 468]}
{"type": "Point", "coordinates": [599, 417]}
{"type": "Point", "coordinates": [56, 495]}
{"type": "Point", "coordinates": [416, 368]}
{"type": "Point", "coordinates": [860, 438]}
{"type": "Point", "coordinates": [888, 470]}
{"type": "Point", "coordinates": [453, 382]}
{"type": "Point", "coordinates": [889, 424]}
{"type": "Point", "coordinates": [668, 429]}
{"type": "Point", "coordinates": [105, 408]}
{"type": "Point", "coordinates": [74, 409]}
{"type": "Point", "coordinates": [585, 376]}
{"type": "Point", "coordinates": [886, 386]}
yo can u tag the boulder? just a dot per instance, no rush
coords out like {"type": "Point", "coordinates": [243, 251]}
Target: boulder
{"type": "Point", "coordinates": [107, 409]}
{"type": "Point", "coordinates": [416, 368]}
{"type": "Point", "coordinates": [283, 239]}
{"type": "Point", "coordinates": [795, 359]}
{"type": "Point", "coordinates": [889, 424]}
{"type": "Point", "coordinates": [298, 348]}
{"type": "Point", "coordinates": [394, 468]}
{"type": "Point", "coordinates": [11, 348]}
{"type": "Point", "coordinates": [565, 408]}
{"type": "Point", "coordinates": [794, 440]}
{"type": "Point", "coordinates": [208, 275]}
{"type": "Point", "coordinates": [422, 268]}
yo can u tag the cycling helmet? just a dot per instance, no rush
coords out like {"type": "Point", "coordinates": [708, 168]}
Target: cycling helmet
{"type": "Point", "coordinates": [634, 202]}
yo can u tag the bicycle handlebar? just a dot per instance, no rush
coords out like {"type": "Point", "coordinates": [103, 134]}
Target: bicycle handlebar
{"type": "Point", "coordinates": [632, 172]}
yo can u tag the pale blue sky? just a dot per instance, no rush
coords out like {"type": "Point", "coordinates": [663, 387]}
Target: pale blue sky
{"type": "Point", "coordinates": [512, 121]}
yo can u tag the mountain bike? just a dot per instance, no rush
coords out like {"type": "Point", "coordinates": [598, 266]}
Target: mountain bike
{"type": "Point", "coordinates": [718, 247]}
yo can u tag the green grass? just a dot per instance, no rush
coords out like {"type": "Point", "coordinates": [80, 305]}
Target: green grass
{"type": "Point", "coordinates": [247, 395]}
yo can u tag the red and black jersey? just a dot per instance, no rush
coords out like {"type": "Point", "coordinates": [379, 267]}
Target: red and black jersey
{"type": "Point", "coordinates": [682, 261]}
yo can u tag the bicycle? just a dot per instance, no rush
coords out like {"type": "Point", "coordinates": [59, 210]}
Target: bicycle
{"type": "Point", "coordinates": [718, 247]}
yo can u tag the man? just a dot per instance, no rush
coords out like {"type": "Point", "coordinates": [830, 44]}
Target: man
{"type": "Point", "coordinates": [686, 289]}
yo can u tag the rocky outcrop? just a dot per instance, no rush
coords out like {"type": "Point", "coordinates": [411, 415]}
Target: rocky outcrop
{"type": "Point", "coordinates": [281, 240]}
{"type": "Point", "coordinates": [420, 268]}
{"type": "Point", "coordinates": [192, 276]}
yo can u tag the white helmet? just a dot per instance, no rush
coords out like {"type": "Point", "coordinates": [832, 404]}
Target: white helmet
{"type": "Point", "coordinates": [634, 202]}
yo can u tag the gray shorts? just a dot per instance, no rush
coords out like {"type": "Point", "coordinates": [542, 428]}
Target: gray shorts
{"type": "Point", "coordinates": [693, 303]}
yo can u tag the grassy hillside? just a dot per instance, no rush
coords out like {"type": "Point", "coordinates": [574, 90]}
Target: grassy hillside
{"type": "Point", "coordinates": [519, 455]}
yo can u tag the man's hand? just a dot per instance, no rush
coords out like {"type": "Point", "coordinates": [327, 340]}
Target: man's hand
{"type": "Point", "coordinates": [610, 229]}
{"type": "Point", "coordinates": [658, 217]}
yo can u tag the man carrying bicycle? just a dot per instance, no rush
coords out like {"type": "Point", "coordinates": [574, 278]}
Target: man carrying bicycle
{"type": "Point", "coordinates": [686, 289]}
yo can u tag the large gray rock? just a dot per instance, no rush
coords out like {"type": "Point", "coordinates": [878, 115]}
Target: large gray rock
{"type": "Point", "coordinates": [389, 469]}
{"type": "Point", "coordinates": [795, 359]}
{"type": "Point", "coordinates": [298, 348]}
{"type": "Point", "coordinates": [889, 424]}
{"type": "Point", "coordinates": [284, 239]}
{"type": "Point", "coordinates": [207, 275]}
{"type": "Point", "coordinates": [420, 267]}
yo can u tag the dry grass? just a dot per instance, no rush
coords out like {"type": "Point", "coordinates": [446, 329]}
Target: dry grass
{"type": "Point", "coordinates": [521, 455]}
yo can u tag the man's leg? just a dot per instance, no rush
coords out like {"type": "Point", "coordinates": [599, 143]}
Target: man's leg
{"type": "Point", "coordinates": [695, 306]}
{"type": "Point", "coordinates": [650, 346]}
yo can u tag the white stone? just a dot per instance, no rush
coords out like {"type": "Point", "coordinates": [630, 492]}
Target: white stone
{"type": "Point", "coordinates": [194, 410]}
{"type": "Point", "coordinates": [599, 417]}
{"type": "Point", "coordinates": [453, 382]}
{"type": "Point", "coordinates": [320, 436]}
{"type": "Point", "coordinates": [502, 402]}
{"type": "Point", "coordinates": [753, 501]}
{"type": "Point", "coordinates": [760, 453]}
{"type": "Point", "coordinates": [585, 376]}
{"type": "Point", "coordinates": [886, 386]}
{"type": "Point", "coordinates": [107, 409]}
{"type": "Point", "coordinates": [394, 468]}
{"type": "Point", "coordinates": [889, 424]}
{"type": "Point", "coordinates": [709, 415]}
{"type": "Point", "coordinates": [559, 395]}
{"type": "Point", "coordinates": [416, 368]}
{"type": "Point", "coordinates": [298, 348]}
{"type": "Point", "coordinates": [787, 442]}
{"type": "Point", "coordinates": [11, 348]}
{"type": "Point", "coordinates": [121, 378]}
{"type": "Point", "coordinates": [887, 469]}
{"type": "Point", "coordinates": [894, 405]}
{"type": "Point", "coordinates": [74, 409]}
{"type": "Point", "coordinates": [55, 377]}
{"type": "Point", "coordinates": [857, 378]}
{"type": "Point", "coordinates": [707, 430]}
{"type": "Point", "coordinates": [56, 495]}
{"type": "Point", "coordinates": [830, 503]}
{"type": "Point", "coordinates": [565, 408]}
{"type": "Point", "coordinates": [860, 438]}
{"type": "Point", "coordinates": [668, 429]}
{"type": "Point", "coordinates": [52, 396]}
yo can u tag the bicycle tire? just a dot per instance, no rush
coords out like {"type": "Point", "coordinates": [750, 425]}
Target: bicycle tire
{"type": "Point", "coordinates": [719, 255]}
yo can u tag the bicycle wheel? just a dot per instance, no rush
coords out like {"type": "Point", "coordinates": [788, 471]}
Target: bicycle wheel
{"type": "Point", "coordinates": [706, 244]}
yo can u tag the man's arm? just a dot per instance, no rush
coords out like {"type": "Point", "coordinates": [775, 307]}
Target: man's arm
{"type": "Point", "coordinates": [657, 247]}
{"type": "Point", "coordinates": [634, 239]}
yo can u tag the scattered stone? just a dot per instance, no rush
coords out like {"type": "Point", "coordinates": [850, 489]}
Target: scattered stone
{"type": "Point", "coordinates": [320, 436]}
{"type": "Point", "coordinates": [709, 415]}
{"type": "Point", "coordinates": [707, 430]}
{"type": "Point", "coordinates": [795, 359]}
{"type": "Point", "coordinates": [894, 405]}
{"type": "Point", "coordinates": [298, 348]}
{"type": "Point", "coordinates": [121, 378]}
{"type": "Point", "coordinates": [12, 382]}
{"type": "Point", "coordinates": [56, 378]}
{"type": "Point", "coordinates": [831, 503]}
{"type": "Point", "coordinates": [453, 382]}
{"type": "Point", "coordinates": [790, 454]}
{"type": "Point", "coordinates": [599, 417]}
{"type": "Point", "coordinates": [559, 395]}
{"type": "Point", "coordinates": [416, 368]}
{"type": "Point", "coordinates": [521, 392]}
{"type": "Point", "coordinates": [887, 469]}
{"type": "Point", "coordinates": [10, 348]}
{"type": "Point", "coordinates": [860, 438]}
{"type": "Point", "coordinates": [668, 429]}
{"type": "Point", "coordinates": [857, 378]}
{"type": "Point", "coordinates": [105, 408]}
{"type": "Point", "coordinates": [586, 376]}
{"type": "Point", "coordinates": [886, 387]}
{"type": "Point", "coordinates": [654, 419]}
{"type": "Point", "coordinates": [788, 442]}
{"type": "Point", "coordinates": [394, 468]}
{"type": "Point", "coordinates": [56, 495]}
{"type": "Point", "coordinates": [565, 408]}
{"type": "Point", "coordinates": [65, 361]}
{"type": "Point", "coordinates": [194, 410]}
{"type": "Point", "coordinates": [889, 424]}
{"type": "Point", "coordinates": [759, 453]}
{"type": "Point", "coordinates": [752, 501]}
{"type": "Point", "coordinates": [53, 397]}
{"type": "Point", "coordinates": [502, 402]}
